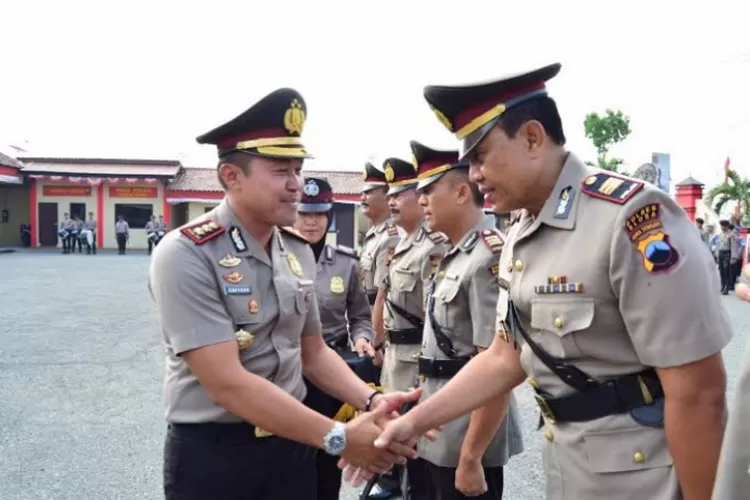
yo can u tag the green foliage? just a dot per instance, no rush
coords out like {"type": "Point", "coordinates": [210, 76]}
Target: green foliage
{"type": "Point", "coordinates": [737, 190]}
{"type": "Point", "coordinates": [604, 132]}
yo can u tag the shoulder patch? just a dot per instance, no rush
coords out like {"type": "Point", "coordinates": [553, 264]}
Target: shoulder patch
{"type": "Point", "coordinates": [646, 231]}
{"type": "Point", "coordinates": [347, 251]}
{"type": "Point", "coordinates": [493, 238]}
{"type": "Point", "coordinates": [293, 232]}
{"type": "Point", "coordinates": [610, 187]}
{"type": "Point", "coordinates": [392, 229]}
{"type": "Point", "coordinates": [203, 231]}
{"type": "Point", "coordinates": [437, 237]}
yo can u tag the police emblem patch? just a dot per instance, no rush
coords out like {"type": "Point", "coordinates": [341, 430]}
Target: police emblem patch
{"type": "Point", "coordinates": [229, 260]}
{"type": "Point", "coordinates": [645, 229]}
{"type": "Point", "coordinates": [337, 284]}
{"type": "Point", "coordinates": [311, 189]}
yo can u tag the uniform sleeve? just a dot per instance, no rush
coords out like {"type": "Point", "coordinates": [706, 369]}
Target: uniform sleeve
{"type": "Point", "coordinates": [358, 308]}
{"type": "Point", "coordinates": [666, 284]}
{"type": "Point", "coordinates": [483, 296]}
{"type": "Point", "coordinates": [190, 309]}
{"type": "Point", "coordinates": [381, 260]}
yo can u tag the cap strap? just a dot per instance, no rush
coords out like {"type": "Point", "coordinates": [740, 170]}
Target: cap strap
{"type": "Point", "coordinates": [434, 171]}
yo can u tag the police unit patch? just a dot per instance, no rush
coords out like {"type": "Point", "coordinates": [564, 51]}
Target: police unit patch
{"type": "Point", "coordinates": [645, 230]}
{"type": "Point", "coordinates": [337, 284]}
{"type": "Point", "coordinates": [493, 239]}
{"type": "Point", "coordinates": [203, 231]}
{"type": "Point", "coordinates": [611, 187]}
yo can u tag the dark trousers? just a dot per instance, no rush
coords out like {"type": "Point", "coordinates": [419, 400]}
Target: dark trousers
{"type": "Point", "coordinates": [329, 476]}
{"type": "Point", "coordinates": [726, 270]}
{"type": "Point", "coordinates": [91, 248]}
{"type": "Point", "coordinates": [66, 244]}
{"type": "Point", "coordinates": [443, 483]}
{"type": "Point", "coordinates": [417, 484]}
{"type": "Point", "coordinates": [226, 462]}
{"type": "Point", "coordinates": [76, 242]}
{"type": "Point", "coordinates": [122, 239]}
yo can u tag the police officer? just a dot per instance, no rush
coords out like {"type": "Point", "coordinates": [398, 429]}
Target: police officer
{"type": "Point", "coordinates": [76, 234]}
{"type": "Point", "coordinates": [64, 231]}
{"type": "Point", "coordinates": [344, 312]}
{"type": "Point", "coordinates": [733, 475]}
{"type": "Point", "coordinates": [122, 234]}
{"type": "Point", "coordinates": [151, 233]}
{"type": "Point", "coordinates": [463, 461]}
{"type": "Point", "coordinates": [236, 301]}
{"type": "Point", "coordinates": [628, 374]}
{"type": "Point", "coordinates": [411, 265]}
{"type": "Point", "coordinates": [89, 227]}
{"type": "Point", "coordinates": [728, 253]}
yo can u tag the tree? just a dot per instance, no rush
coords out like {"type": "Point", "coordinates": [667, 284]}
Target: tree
{"type": "Point", "coordinates": [737, 190]}
{"type": "Point", "coordinates": [604, 132]}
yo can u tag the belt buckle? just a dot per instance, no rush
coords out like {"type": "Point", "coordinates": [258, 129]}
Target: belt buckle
{"type": "Point", "coordinates": [544, 407]}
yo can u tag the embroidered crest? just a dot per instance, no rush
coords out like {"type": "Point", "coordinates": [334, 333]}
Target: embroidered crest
{"type": "Point", "coordinates": [611, 187]}
{"type": "Point", "coordinates": [229, 260]}
{"type": "Point", "coordinates": [203, 231]}
{"type": "Point", "coordinates": [389, 173]}
{"type": "Point", "coordinates": [294, 118]}
{"type": "Point", "coordinates": [233, 277]}
{"type": "Point", "coordinates": [392, 229]}
{"type": "Point", "coordinates": [564, 203]}
{"type": "Point", "coordinates": [237, 240]}
{"type": "Point", "coordinates": [493, 238]}
{"type": "Point", "coordinates": [348, 251]}
{"type": "Point", "coordinates": [643, 220]}
{"type": "Point", "coordinates": [646, 230]}
{"type": "Point", "coordinates": [337, 284]}
{"type": "Point", "coordinates": [559, 284]}
{"type": "Point", "coordinates": [311, 189]}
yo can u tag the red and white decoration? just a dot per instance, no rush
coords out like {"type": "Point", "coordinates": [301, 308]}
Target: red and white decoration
{"type": "Point", "coordinates": [93, 181]}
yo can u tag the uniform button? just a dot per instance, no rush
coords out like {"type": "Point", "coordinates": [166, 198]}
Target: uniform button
{"type": "Point", "coordinates": [519, 265]}
{"type": "Point", "coordinates": [415, 355]}
{"type": "Point", "coordinates": [549, 436]}
{"type": "Point", "coordinates": [559, 322]}
{"type": "Point", "coordinates": [639, 458]}
{"type": "Point", "coordinates": [441, 275]}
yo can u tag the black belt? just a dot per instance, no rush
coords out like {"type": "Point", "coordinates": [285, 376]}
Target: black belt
{"type": "Point", "coordinates": [440, 368]}
{"type": "Point", "coordinates": [407, 336]}
{"type": "Point", "coordinates": [609, 398]}
{"type": "Point", "coordinates": [239, 433]}
{"type": "Point", "coordinates": [371, 294]}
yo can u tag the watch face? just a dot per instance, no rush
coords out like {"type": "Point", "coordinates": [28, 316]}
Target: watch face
{"type": "Point", "coordinates": [337, 442]}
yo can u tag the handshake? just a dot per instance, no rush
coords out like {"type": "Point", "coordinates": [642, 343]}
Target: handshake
{"type": "Point", "coordinates": [381, 438]}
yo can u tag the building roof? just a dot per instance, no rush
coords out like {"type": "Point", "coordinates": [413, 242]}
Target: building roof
{"type": "Point", "coordinates": [9, 161]}
{"type": "Point", "coordinates": [690, 181]}
{"type": "Point", "coordinates": [204, 179]}
{"type": "Point", "coordinates": [95, 167]}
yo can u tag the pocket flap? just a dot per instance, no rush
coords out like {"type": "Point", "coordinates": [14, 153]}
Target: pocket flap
{"type": "Point", "coordinates": [304, 296]}
{"type": "Point", "coordinates": [447, 290]}
{"type": "Point", "coordinates": [627, 450]}
{"type": "Point", "coordinates": [404, 280]}
{"type": "Point", "coordinates": [562, 315]}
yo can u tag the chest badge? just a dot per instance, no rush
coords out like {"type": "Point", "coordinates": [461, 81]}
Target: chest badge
{"type": "Point", "coordinates": [244, 339]}
{"type": "Point", "coordinates": [253, 307]}
{"type": "Point", "coordinates": [294, 264]}
{"type": "Point", "coordinates": [233, 277]}
{"type": "Point", "coordinates": [337, 284]}
{"type": "Point", "coordinates": [229, 260]}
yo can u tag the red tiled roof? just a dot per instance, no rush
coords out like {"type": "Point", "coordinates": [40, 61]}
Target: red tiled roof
{"type": "Point", "coordinates": [100, 166]}
{"type": "Point", "coordinates": [204, 179]}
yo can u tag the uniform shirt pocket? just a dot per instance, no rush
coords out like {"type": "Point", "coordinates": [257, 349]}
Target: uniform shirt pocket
{"type": "Point", "coordinates": [447, 306]}
{"type": "Point", "coordinates": [404, 280]}
{"type": "Point", "coordinates": [562, 316]}
{"type": "Point", "coordinates": [625, 450]}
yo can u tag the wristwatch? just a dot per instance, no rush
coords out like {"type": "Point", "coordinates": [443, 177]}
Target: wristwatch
{"type": "Point", "coordinates": [334, 442]}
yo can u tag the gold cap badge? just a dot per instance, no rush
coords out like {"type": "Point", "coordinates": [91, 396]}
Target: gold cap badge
{"type": "Point", "coordinates": [389, 173]}
{"type": "Point", "coordinates": [294, 118]}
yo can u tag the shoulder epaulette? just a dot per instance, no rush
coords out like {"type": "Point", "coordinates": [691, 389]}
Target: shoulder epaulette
{"type": "Point", "coordinates": [347, 251]}
{"type": "Point", "coordinates": [610, 187]}
{"type": "Point", "coordinates": [493, 238]}
{"type": "Point", "coordinates": [202, 231]}
{"type": "Point", "coordinates": [437, 237]}
{"type": "Point", "coordinates": [392, 229]}
{"type": "Point", "coordinates": [293, 232]}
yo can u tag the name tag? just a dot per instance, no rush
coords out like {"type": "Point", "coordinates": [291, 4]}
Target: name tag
{"type": "Point", "coordinates": [305, 282]}
{"type": "Point", "coordinates": [238, 290]}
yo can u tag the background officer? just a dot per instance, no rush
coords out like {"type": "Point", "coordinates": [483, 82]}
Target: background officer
{"type": "Point", "coordinates": [468, 456]}
{"type": "Point", "coordinates": [64, 230]}
{"type": "Point", "coordinates": [151, 233]}
{"type": "Point", "coordinates": [122, 233]}
{"type": "Point", "coordinates": [628, 373]}
{"type": "Point", "coordinates": [733, 475]}
{"type": "Point", "coordinates": [728, 253]}
{"type": "Point", "coordinates": [90, 225]}
{"type": "Point", "coordinates": [240, 323]}
{"type": "Point", "coordinates": [344, 312]}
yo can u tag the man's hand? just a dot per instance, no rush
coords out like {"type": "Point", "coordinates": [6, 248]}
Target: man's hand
{"type": "Point", "coordinates": [470, 477]}
{"type": "Point", "coordinates": [363, 346]}
{"type": "Point", "coordinates": [360, 451]}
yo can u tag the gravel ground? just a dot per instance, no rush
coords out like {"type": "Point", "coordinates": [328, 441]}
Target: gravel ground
{"type": "Point", "coordinates": [81, 376]}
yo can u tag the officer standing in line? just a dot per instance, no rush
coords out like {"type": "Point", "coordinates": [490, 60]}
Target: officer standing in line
{"type": "Point", "coordinates": [733, 475]}
{"type": "Point", "coordinates": [628, 374]}
{"type": "Point", "coordinates": [122, 234]}
{"type": "Point", "coordinates": [411, 266]}
{"type": "Point", "coordinates": [344, 312]}
{"type": "Point", "coordinates": [151, 234]}
{"type": "Point", "coordinates": [76, 234]}
{"type": "Point", "coordinates": [90, 225]}
{"type": "Point", "coordinates": [728, 253]}
{"type": "Point", "coordinates": [65, 229]}
{"type": "Point", "coordinates": [240, 323]}
{"type": "Point", "coordinates": [463, 460]}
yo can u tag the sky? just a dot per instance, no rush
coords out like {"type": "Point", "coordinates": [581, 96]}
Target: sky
{"type": "Point", "coordinates": [141, 79]}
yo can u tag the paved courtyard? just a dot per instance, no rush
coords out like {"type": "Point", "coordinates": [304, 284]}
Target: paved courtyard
{"type": "Point", "coordinates": [81, 376]}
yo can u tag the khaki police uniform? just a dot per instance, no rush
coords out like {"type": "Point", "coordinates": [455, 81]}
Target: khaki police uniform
{"type": "Point", "coordinates": [90, 225]}
{"type": "Point", "coordinates": [728, 250]}
{"type": "Point", "coordinates": [379, 242]}
{"type": "Point", "coordinates": [593, 280]}
{"type": "Point", "coordinates": [66, 228]}
{"type": "Point", "coordinates": [462, 318]}
{"type": "Point", "coordinates": [733, 475]}
{"type": "Point", "coordinates": [410, 270]}
{"type": "Point", "coordinates": [122, 232]}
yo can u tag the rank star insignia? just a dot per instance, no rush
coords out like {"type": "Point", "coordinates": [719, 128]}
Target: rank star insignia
{"type": "Point", "coordinates": [244, 339]}
{"type": "Point", "coordinates": [294, 264]}
{"type": "Point", "coordinates": [233, 277]}
{"type": "Point", "coordinates": [337, 284]}
{"type": "Point", "coordinates": [229, 260]}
